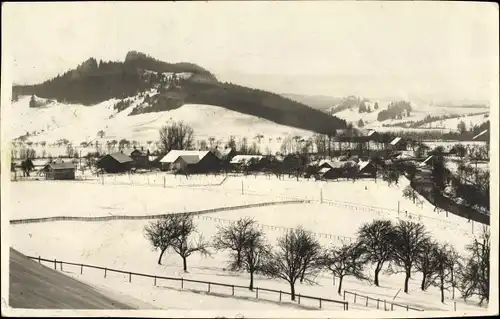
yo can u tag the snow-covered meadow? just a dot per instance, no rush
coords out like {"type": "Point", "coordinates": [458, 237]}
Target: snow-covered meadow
{"type": "Point", "coordinates": [335, 213]}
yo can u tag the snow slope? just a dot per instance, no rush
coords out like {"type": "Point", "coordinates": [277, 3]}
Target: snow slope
{"type": "Point", "coordinates": [419, 112]}
{"type": "Point", "coordinates": [79, 123]}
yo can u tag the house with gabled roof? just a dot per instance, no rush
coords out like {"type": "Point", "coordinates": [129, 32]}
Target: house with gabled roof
{"type": "Point", "coordinates": [192, 161]}
{"type": "Point", "coordinates": [59, 171]}
{"type": "Point", "coordinates": [115, 163]}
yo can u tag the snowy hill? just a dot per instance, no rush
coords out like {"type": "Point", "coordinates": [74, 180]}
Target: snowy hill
{"type": "Point", "coordinates": [422, 115]}
{"type": "Point", "coordinates": [79, 123]}
{"type": "Point", "coordinates": [164, 86]}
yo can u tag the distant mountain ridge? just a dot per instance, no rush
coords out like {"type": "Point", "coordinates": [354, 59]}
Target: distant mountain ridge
{"type": "Point", "coordinates": [166, 86]}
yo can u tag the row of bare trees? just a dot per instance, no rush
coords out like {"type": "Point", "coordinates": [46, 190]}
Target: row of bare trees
{"type": "Point", "coordinates": [404, 247]}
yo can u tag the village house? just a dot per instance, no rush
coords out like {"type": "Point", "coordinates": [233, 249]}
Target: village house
{"type": "Point", "coordinates": [59, 171]}
{"type": "Point", "coordinates": [140, 158]}
{"type": "Point", "coordinates": [398, 144]}
{"type": "Point", "coordinates": [191, 161]}
{"type": "Point", "coordinates": [250, 162]}
{"type": "Point", "coordinates": [367, 169]}
{"type": "Point", "coordinates": [115, 163]}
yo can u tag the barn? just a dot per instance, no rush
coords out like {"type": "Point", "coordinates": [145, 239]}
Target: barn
{"type": "Point", "coordinates": [115, 163]}
{"type": "Point", "coordinates": [191, 161]}
{"type": "Point", "coordinates": [59, 171]}
{"type": "Point", "coordinates": [139, 157]}
{"type": "Point", "coordinates": [367, 169]}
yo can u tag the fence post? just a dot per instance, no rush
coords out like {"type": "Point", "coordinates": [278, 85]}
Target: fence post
{"type": "Point", "coordinates": [233, 289]}
{"type": "Point", "coordinates": [385, 306]}
{"type": "Point", "coordinates": [155, 281]}
{"type": "Point", "coordinates": [280, 295]}
{"type": "Point", "coordinates": [407, 308]}
{"type": "Point", "coordinates": [39, 260]}
{"type": "Point", "coordinates": [455, 306]}
{"type": "Point", "coordinates": [55, 264]}
{"type": "Point", "coordinates": [319, 303]}
{"type": "Point", "coordinates": [164, 182]}
{"type": "Point", "coordinates": [367, 301]}
{"type": "Point", "coordinates": [257, 293]}
{"type": "Point", "coordinates": [105, 270]}
{"type": "Point", "coordinates": [81, 269]}
{"type": "Point", "coordinates": [61, 265]}
{"type": "Point", "coordinates": [344, 294]}
{"type": "Point", "coordinates": [129, 277]}
{"type": "Point", "coordinates": [355, 295]}
{"type": "Point", "coordinates": [299, 298]}
{"type": "Point", "coordinates": [182, 283]}
{"type": "Point", "coordinates": [208, 287]}
{"type": "Point", "coordinates": [378, 303]}
{"type": "Point", "coordinates": [392, 306]}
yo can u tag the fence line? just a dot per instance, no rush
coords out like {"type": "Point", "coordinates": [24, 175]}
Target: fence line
{"type": "Point", "coordinates": [273, 227]}
{"type": "Point", "coordinates": [156, 216]}
{"type": "Point", "coordinates": [320, 300]}
{"type": "Point", "coordinates": [379, 302]}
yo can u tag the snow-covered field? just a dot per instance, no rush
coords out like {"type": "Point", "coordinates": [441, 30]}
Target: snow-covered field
{"type": "Point", "coordinates": [419, 112]}
{"type": "Point", "coordinates": [121, 244]}
{"type": "Point", "coordinates": [78, 123]}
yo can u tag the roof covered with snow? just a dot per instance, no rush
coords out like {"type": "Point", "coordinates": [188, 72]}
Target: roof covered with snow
{"type": "Point", "coordinates": [324, 170]}
{"type": "Point", "coordinates": [245, 158]}
{"type": "Point", "coordinates": [363, 165]}
{"type": "Point", "coordinates": [426, 160]}
{"type": "Point", "coordinates": [121, 158]}
{"type": "Point", "coordinates": [396, 141]}
{"type": "Point", "coordinates": [480, 134]}
{"type": "Point", "coordinates": [60, 166]}
{"type": "Point", "coordinates": [174, 154]}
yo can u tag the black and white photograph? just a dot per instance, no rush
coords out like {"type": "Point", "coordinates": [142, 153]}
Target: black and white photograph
{"type": "Point", "coordinates": [250, 159]}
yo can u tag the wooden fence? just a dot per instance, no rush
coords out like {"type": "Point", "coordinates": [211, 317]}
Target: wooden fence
{"type": "Point", "coordinates": [143, 217]}
{"type": "Point", "coordinates": [182, 281]}
{"type": "Point", "coordinates": [388, 306]}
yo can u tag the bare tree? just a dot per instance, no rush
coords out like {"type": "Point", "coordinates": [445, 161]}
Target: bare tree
{"type": "Point", "coordinates": [407, 244]}
{"type": "Point", "coordinates": [177, 136]}
{"type": "Point", "coordinates": [443, 259]}
{"type": "Point", "coordinates": [312, 254]}
{"type": "Point", "coordinates": [376, 240]}
{"type": "Point", "coordinates": [203, 145]}
{"type": "Point", "coordinates": [184, 245]}
{"type": "Point", "coordinates": [234, 237]}
{"type": "Point", "coordinates": [161, 233]}
{"type": "Point", "coordinates": [410, 193]}
{"type": "Point", "coordinates": [345, 260]}
{"type": "Point", "coordinates": [426, 263]}
{"type": "Point", "coordinates": [255, 253]}
{"type": "Point", "coordinates": [475, 279]}
{"type": "Point", "coordinates": [287, 260]}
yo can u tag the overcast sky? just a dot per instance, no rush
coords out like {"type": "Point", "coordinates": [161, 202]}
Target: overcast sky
{"type": "Point", "coordinates": [440, 50]}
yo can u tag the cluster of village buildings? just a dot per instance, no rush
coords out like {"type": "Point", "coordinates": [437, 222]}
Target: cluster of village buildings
{"type": "Point", "coordinates": [216, 160]}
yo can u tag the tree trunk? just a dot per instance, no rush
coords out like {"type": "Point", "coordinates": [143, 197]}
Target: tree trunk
{"type": "Point", "coordinates": [442, 289]}
{"type": "Point", "coordinates": [161, 255]}
{"type": "Point", "coordinates": [184, 263]}
{"type": "Point", "coordinates": [339, 291]}
{"type": "Point", "coordinates": [302, 275]}
{"type": "Point", "coordinates": [292, 291]}
{"type": "Point", "coordinates": [407, 279]}
{"type": "Point", "coordinates": [251, 281]}
{"type": "Point", "coordinates": [377, 271]}
{"type": "Point", "coordinates": [424, 277]}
